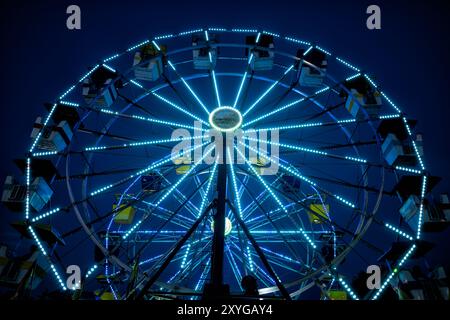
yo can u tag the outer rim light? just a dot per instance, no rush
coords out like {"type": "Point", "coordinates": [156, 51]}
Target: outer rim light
{"type": "Point", "coordinates": [211, 116]}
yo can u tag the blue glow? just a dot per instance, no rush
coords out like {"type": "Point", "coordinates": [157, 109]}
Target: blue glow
{"type": "Point", "coordinates": [398, 231]}
{"type": "Point", "coordinates": [265, 93]}
{"type": "Point", "coordinates": [410, 170]}
{"type": "Point", "coordinates": [391, 275]}
{"type": "Point", "coordinates": [348, 64]}
{"type": "Point", "coordinates": [138, 45]}
{"type": "Point", "coordinates": [172, 188]}
{"type": "Point", "coordinates": [91, 270]}
{"type": "Point", "coordinates": [55, 272]}
{"type": "Point", "coordinates": [159, 121]}
{"type": "Point", "coordinates": [348, 289]}
{"type": "Point", "coordinates": [45, 215]}
{"type": "Point", "coordinates": [297, 41]}
{"type": "Point", "coordinates": [216, 88]}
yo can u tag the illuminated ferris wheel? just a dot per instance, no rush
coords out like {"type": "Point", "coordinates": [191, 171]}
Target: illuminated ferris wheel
{"type": "Point", "coordinates": [323, 174]}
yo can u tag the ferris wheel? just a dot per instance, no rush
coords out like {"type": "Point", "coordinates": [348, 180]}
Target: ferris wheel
{"type": "Point", "coordinates": [322, 177]}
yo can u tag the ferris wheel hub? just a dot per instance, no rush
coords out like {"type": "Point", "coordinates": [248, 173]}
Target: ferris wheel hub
{"type": "Point", "coordinates": [225, 119]}
{"type": "Point", "coordinates": [228, 226]}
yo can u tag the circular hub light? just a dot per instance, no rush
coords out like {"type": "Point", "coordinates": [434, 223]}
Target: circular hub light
{"type": "Point", "coordinates": [225, 119]}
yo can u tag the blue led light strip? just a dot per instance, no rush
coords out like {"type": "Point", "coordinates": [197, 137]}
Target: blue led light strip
{"type": "Point", "coordinates": [45, 215]}
{"type": "Point", "coordinates": [393, 272]}
{"type": "Point", "coordinates": [309, 150]}
{"type": "Point", "coordinates": [348, 289]}
{"type": "Point", "coordinates": [289, 105]}
{"type": "Point", "coordinates": [267, 92]}
{"type": "Point", "coordinates": [274, 196]}
{"type": "Point", "coordinates": [398, 231]}
{"type": "Point", "coordinates": [151, 120]}
{"type": "Point", "coordinates": [295, 173]}
{"type": "Point", "coordinates": [155, 165]}
{"type": "Point", "coordinates": [172, 188]}
{"type": "Point", "coordinates": [141, 143]}
{"type": "Point", "coordinates": [184, 82]}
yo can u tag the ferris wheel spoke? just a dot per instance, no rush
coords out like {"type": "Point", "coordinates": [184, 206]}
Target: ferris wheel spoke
{"type": "Point", "coordinates": [244, 76]}
{"type": "Point", "coordinates": [153, 166]}
{"type": "Point", "coordinates": [233, 265]}
{"type": "Point", "coordinates": [158, 142]}
{"type": "Point", "coordinates": [175, 185]}
{"type": "Point", "coordinates": [275, 261]}
{"type": "Point", "coordinates": [147, 119]}
{"type": "Point", "coordinates": [286, 106]}
{"type": "Point", "coordinates": [294, 171]}
{"type": "Point", "coordinates": [167, 101]}
{"type": "Point", "coordinates": [171, 255]}
{"type": "Point", "coordinates": [258, 250]}
{"type": "Point", "coordinates": [307, 124]}
{"type": "Point", "coordinates": [280, 234]}
{"type": "Point", "coordinates": [213, 74]}
{"type": "Point", "coordinates": [183, 80]}
{"type": "Point", "coordinates": [256, 274]}
{"type": "Point", "coordinates": [261, 97]}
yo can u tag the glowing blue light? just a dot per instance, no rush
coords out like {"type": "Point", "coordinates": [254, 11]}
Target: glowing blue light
{"type": "Point", "coordinates": [87, 75]}
{"type": "Point", "coordinates": [297, 41]}
{"type": "Point", "coordinates": [257, 37]}
{"type": "Point", "coordinates": [353, 77]}
{"type": "Point", "coordinates": [235, 187]}
{"type": "Point", "coordinates": [27, 200]}
{"type": "Point", "coordinates": [179, 108]}
{"type": "Point", "coordinates": [410, 170]}
{"type": "Point", "coordinates": [240, 89]}
{"type": "Point", "coordinates": [43, 154]}
{"type": "Point", "coordinates": [142, 143]}
{"type": "Point", "coordinates": [422, 196]}
{"type": "Point", "coordinates": [396, 230]}
{"type": "Point", "coordinates": [390, 102]}
{"type": "Point", "coordinates": [45, 215]}
{"type": "Point", "coordinates": [216, 88]}
{"type": "Point", "coordinates": [36, 239]}
{"type": "Point", "coordinates": [348, 203]}
{"type": "Point", "coordinates": [55, 272]}
{"type": "Point", "coordinates": [208, 187]}
{"type": "Point", "coordinates": [272, 34]}
{"type": "Point", "coordinates": [183, 262]}
{"type": "Point", "coordinates": [217, 29]}
{"type": "Point", "coordinates": [266, 93]}
{"type": "Point", "coordinates": [111, 58]}
{"type": "Point", "coordinates": [391, 275]}
{"type": "Point", "coordinates": [165, 36]}
{"type": "Point", "coordinates": [245, 30]}
{"type": "Point", "coordinates": [91, 270]}
{"type": "Point", "coordinates": [172, 188]}
{"type": "Point", "coordinates": [370, 80]}
{"type": "Point", "coordinates": [250, 259]}
{"type": "Point", "coordinates": [138, 45]}
{"type": "Point", "coordinates": [70, 104]}
{"type": "Point", "coordinates": [308, 50]}
{"type": "Point", "coordinates": [390, 116]}
{"type": "Point", "coordinates": [348, 289]}
{"type": "Point", "coordinates": [109, 68]}
{"type": "Point", "coordinates": [289, 105]}
{"type": "Point", "coordinates": [190, 32]}
{"type": "Point", "coordinates": [347, 64]}
{"type": "Point", "coordinates": [323, 50]}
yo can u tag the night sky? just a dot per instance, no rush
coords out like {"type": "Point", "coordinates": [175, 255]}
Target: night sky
{"type": "Point", "coordinates": [409, 56]}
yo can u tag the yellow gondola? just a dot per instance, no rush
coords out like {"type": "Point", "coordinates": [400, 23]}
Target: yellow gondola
{"type": "Point", "coordinates": [318, 212]}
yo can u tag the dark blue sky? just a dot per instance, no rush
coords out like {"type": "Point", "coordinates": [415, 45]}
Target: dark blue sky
{"type": "Point", "coordinates": [408, 57]}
